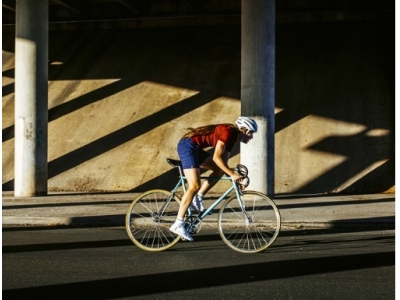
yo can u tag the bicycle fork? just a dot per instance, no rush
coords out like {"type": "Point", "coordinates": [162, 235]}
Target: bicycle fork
{"type": "Point", "coordinates": [239, 193]}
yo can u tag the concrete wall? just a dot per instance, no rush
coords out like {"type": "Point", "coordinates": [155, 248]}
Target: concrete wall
{"type": "Point", "coordinates": [119, 100]}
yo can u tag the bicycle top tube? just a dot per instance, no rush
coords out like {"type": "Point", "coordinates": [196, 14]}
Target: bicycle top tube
{"type": "Point", "coordinates": [183, 180]}
{"type": "Point", "coordinates": [219, 178]}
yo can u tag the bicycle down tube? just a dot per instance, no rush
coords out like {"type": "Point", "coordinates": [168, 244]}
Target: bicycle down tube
{"type": "Point", "coordinates": [201, 216]}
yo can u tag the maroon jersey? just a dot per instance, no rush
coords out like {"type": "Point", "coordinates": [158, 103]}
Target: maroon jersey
{"type": "Point", "coordinates": [223, 133]}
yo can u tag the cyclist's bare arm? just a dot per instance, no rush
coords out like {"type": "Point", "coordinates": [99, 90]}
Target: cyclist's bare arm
{"type": "Point", "coordinates": [219, 155]}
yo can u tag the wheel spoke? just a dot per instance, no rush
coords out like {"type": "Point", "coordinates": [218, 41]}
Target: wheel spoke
{"type": "Point", "coordinates": [253, 230]}
{"type": "Point", "coordinates": [147, 227]}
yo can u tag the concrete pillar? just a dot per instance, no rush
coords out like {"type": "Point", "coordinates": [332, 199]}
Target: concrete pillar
{"type": "Point", "coordinates": [258, 91]}
{"type": "Point", "coordinates": [31, 75]}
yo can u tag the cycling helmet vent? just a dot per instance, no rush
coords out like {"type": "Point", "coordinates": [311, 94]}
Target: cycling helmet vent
{"type": "Point", "coordinates": [248, 123]}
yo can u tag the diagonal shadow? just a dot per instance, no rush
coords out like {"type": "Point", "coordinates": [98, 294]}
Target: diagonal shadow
{"type": "Point", "coordinates": [382, 177]}
{"type": "Point", "coordinates": [210, 277]}
{"type": "Point", "coordinates": [123, 135]}
{"type": "Point", "coordinates": [9, 73]}
{"type": "Point", "coordinates": [127, 133]}
{"type": "Point", "coordinates": [78, 103]}
{"type": "Point", "coordinates": [8, 89]}
{"type": "Point", "coordinates": [357, 161]}
{"type": "Point", "coordinates": [8, 133]}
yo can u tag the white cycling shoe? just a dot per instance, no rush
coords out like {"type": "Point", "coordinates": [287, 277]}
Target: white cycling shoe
{"type": "Point", "coordinates": [197, 205]}
{"type": "Point", "coordinates": [180, 230]}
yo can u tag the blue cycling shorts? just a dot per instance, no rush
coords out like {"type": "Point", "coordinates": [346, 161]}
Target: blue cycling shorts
{"type": "Point", "coordinates": [190, 154]}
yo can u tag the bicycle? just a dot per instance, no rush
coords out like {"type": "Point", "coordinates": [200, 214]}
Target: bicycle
{"type": "Point", "coordinates": [248, 221]}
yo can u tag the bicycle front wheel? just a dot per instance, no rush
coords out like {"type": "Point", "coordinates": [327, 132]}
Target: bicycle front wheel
{"type": "Point", "coordinates": [252, 227]}
{"type": "Point", "coordinates": [149, 218]}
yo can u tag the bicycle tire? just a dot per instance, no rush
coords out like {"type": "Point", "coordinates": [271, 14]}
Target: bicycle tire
{"type": "Point", "coordinates": [246, 236]}
{"type": "Point", "coordinates": [146, 229]}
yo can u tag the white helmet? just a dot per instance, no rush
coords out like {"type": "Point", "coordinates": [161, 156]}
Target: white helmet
{"type": "Point", "coordinates": [245, 122]}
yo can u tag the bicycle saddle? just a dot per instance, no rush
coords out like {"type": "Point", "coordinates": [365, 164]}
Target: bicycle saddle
{"type": "Point", "coordinates": [175, 163]}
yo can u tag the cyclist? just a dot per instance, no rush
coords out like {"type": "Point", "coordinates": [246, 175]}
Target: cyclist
{"type": "Point", "coordinates": [221, 137]}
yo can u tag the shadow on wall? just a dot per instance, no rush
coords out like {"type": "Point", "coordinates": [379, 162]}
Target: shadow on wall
{"type": "Point", "coordinates": [335, 88]}
{"type": "Point", "coordinates": [341, 73]}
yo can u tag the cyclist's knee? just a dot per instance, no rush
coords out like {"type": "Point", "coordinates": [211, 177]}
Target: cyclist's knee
{"type": "Point", "coordinates": [193, 188]}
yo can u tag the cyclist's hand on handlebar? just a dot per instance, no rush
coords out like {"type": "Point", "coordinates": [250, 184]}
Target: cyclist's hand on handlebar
{"type": "Point", "coordinates": [236, 177]}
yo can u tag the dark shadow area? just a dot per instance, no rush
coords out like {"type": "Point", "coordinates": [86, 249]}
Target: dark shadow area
{"type": "Point", "coordinates": [382, 178]}
{"type": "Point", "coordinates": [332, 70]}
{"type": "Point", "coordinates": [8, 186]}
{"type": "Point", "coordinates": [357, 161]}
{"type": "Point", "coordinates": [202, 237]}
{"type": "Point", "coordinates": [304, 241]}
{"type": "Point", "coordinates": [8, 134]}
{"type": "Point", "coordinates": [211, 277]}
{"type": "Point", "coordinates": [64, 204]}
{"type": "Point", "coordinates": [282, 206]}
{"type": "Point", "coordinates": [67, 246]}
{"type": "Point", "coordinates": [8, 89]}
{"type": "Point", "coordinates": [387, 222]}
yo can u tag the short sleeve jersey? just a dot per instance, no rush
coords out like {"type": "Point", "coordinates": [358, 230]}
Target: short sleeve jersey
{"type": "Point", "coordinates": [223, 133]}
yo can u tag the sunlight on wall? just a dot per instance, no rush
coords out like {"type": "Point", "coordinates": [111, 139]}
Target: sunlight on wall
{"type": "Point", "coordinates": [297, 163]}
{"type": "Point", "coordinates": [377, 132]}
{"type": "Point", "coordinates": [8, 63]}
{"type": "Point", "coordinates": [130, 131]}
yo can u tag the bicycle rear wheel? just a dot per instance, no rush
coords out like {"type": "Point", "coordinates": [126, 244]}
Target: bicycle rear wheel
{"type": "Point", "coordinates": [149, 218]}
{"type": "Point", "coordinates": [252, 231]}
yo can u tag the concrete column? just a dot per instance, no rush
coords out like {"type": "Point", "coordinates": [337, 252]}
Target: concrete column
{"type": "Point", "coordinates": [31, 75]}
{"type": "Point", "coordinates": [258, 91]}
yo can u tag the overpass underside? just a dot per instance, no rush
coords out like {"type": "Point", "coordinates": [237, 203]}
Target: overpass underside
{"type": "Point", "coordinates": [121, 95]}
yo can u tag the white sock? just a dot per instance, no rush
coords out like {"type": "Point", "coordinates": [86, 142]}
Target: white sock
{"type": "Point", "coordinates": [179, 221]}
{"type": "Point", "coordinates": [200, 197]}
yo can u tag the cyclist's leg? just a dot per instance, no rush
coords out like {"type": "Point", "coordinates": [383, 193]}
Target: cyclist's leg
{"type": "Point", "coordinates": [193, 180]}
{"type": "Point", "coordinates": [209, 164]}
{"type": "Point", "coordinates": [188, 153]}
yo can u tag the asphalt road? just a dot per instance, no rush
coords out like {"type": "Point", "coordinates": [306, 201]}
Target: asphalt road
{"type": "Point", "coordinates": [102, 263]}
